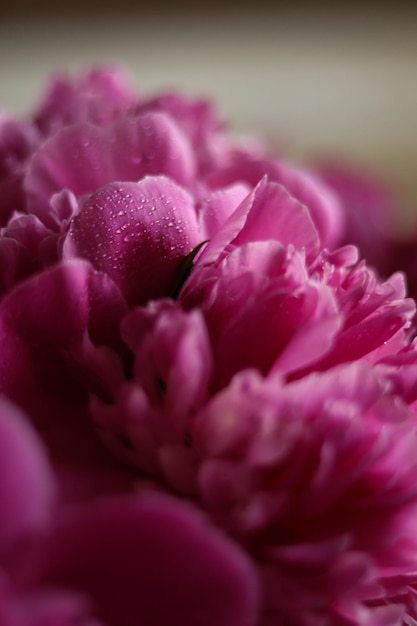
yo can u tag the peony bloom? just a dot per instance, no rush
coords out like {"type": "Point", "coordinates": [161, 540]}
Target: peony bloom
{"type": "Point", "coordinates": [219, 402]}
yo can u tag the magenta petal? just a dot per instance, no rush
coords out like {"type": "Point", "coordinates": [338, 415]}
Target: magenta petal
{"type": "Point", "coordinates": [138, 233]}
{"type": "Point", "coordinates": [388, 323]}
{"type": "Point", "coordinates": [12, 263]}
{"type": "Point", "coordinates": [42, 322]}
{"type": "Point", "coordinates": [84, 469]}
{"type": "Point", "coordinates": [153, 561]}
{"type": "Point", "coordinates": [83, 158]}
{"type": "Point", "coordinates": [274, 214]}
{"type": "Point", "coordinates": [307, 188]}
{"type": "Point", "coordinates": [314, 337]}
{"type": "Point", "coordinates": [268, 213]}
{"type": "Point", "coordinates": [26, 485]}
{"type": "Point", "coordinates": [45, 607]}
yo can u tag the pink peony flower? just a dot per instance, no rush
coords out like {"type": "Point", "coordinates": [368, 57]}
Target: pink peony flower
{"type": "Point", "coordinates": [224, 400]}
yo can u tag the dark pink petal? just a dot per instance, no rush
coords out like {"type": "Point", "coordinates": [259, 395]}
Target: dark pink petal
{"type": "Point", "coordinates": [83, 467]}
{"type": "Point", "coordinates": [13, 263]}
{"type": "Point", "coordinates": [42, 323]}
{"type": "Point", "coordinates": [83, 158]}
{"type": "Point", "coordinates": [43, 607]}
{"type": "Point", "coordinates": [138, 233]}
{"type": "Point", "coordinates": [27, 230]}
{"type": "Point", "coordinates": [26, 485]}
{"type": "Point", "coordinates": [22, 249]}
{"type": "Point", "coordinates": [152, 561]}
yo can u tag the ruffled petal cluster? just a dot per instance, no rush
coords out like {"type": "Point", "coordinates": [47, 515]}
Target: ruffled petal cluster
{"type": "Point", "coordinates": [209, 407]}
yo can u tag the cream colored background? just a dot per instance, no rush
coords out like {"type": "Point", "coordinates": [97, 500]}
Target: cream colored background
{"type": "Point", "coordinates": [343, 85]}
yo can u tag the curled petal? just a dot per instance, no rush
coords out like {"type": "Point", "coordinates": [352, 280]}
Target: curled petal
{"type": "Point", "coordinates": [268, 213]}
{"type": "Point", "coordinates": [307, 188]}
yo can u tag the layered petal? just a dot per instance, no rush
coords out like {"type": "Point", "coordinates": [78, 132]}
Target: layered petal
{"type": "Point", "coordinates": [149, 421]}
{"type": "Point", "coordinates": [263, 311]}
{"type": "Point", "coordinates": [83, 157]}
{"type": "Point", "coordinates": [316, 479]}
{"type": "Point", "coordinates": [42, 326]}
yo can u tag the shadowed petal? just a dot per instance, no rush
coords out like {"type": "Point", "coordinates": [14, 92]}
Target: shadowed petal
{"type": "Point", "coordinates": [42, 322]}
{"type": "Point", "coordinates": [153, 561]}
{"type": "Point", "coordinates": [26, 485]}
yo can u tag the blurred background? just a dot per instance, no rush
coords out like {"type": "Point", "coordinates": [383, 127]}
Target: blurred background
{"type": "Point", "coordinates": [317, 79]}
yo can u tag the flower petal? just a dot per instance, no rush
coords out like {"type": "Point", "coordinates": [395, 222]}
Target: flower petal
{"type": "Point", "coordinates": [153, 561]}
{"type": "Point", "coordinates": [138, 233]}
{"type": "Point", "coordinates": [26, 484]}
{"type": "Point", "coordinates": [42, 322]}
{"type": "Point", "coordinates": [83, 157]}
{"type": "Point", "coordinates": [307, 188]}
{"type": "Point", "coordinates": [269, 212]}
